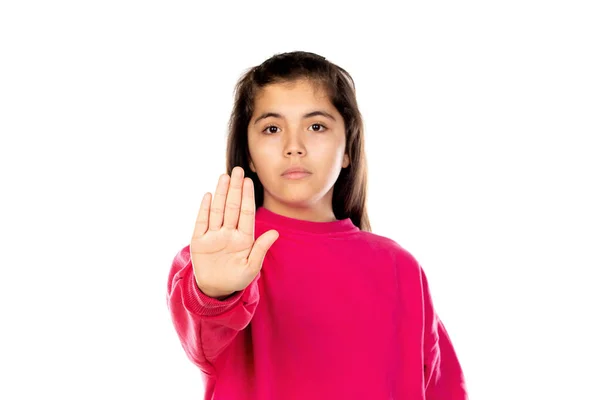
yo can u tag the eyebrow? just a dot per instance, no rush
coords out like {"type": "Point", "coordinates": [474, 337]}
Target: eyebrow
{"type": "Point", "coordinates": [309, 115]}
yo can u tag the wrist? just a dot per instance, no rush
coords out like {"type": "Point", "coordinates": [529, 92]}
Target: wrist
{"type": "Point", "coordinates": [215, 294]}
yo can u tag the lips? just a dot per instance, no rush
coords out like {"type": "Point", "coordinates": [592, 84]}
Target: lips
{"type": "Point", "coordinates": [295, 169]}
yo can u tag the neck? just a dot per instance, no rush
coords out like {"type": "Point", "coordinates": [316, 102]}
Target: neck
{"type": "Point", "coordinates": [317, 213]}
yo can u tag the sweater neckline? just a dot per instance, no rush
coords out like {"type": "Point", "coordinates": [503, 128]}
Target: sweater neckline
{"type": "Point", "coordinates": [283, 222]}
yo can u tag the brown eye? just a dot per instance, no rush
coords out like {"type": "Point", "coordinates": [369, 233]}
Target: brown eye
{"type": "Point", "coordinates": [318, 127]}
{"type": "Point", "coordinates": [270, 129]}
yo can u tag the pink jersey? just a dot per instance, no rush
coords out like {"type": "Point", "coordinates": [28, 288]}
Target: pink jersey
{"type": "Point", "coordinates": [335, 313]}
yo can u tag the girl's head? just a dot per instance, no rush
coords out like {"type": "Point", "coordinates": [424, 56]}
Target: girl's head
{"type": "Point", "coordinates": [299, 109]}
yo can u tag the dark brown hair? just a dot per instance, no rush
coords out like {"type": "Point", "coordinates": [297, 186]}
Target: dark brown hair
{"type": "Point", "coordinates": [350, 189]}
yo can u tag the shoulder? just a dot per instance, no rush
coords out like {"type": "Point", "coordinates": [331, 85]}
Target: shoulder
{"type": "Point", "coordinates": [397, 253]}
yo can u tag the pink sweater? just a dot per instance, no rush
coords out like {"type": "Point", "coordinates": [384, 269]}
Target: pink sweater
{"type": "Point", "coordinates": [335, 313]}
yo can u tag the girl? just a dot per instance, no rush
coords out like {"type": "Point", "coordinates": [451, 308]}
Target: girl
{"type": "Point", "coordinates": [283, 292]}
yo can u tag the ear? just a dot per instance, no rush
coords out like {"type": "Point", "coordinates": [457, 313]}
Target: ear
{"type": "Point", "coordinates": [346, 161]}
{"type": "Point", "coordinates": [252, 167]}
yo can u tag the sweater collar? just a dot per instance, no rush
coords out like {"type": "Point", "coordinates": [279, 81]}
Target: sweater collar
{"type": "Point", "coordinates": [281, 222]}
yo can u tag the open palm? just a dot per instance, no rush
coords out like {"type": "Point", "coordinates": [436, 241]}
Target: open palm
{"type": "Point", "coordinates": [225, 256]}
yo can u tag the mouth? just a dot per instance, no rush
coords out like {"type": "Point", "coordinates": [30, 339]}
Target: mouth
{"type": "Point", "coordinates": [296, 174]}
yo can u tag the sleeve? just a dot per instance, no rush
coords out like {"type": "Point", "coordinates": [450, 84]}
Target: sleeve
{"type": "Point", "coordinates": [444, 379]}
{"type": "Point", "coordinates": [205, 326]}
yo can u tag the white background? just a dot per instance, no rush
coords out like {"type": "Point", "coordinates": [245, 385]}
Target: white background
{"type": "Point", "coordinates": [482, 126]}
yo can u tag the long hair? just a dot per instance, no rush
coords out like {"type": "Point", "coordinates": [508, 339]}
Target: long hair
{"type": "Point", "coordinates": [350, 189]}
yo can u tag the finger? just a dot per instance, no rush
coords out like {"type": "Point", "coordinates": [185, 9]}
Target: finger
{"type": "Point", "coordinates": [234, 198]}
{"type": "Point", "coordinates": [248, 209]}
{"type": "Point", "coordinates": [202, 218]}
{"type": "Point", "coordinates": [260, 248]}
{"type": "Point", "coordinates": [218, 205]}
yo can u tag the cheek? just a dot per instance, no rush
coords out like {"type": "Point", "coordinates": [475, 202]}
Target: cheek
{"type": "Point", "coordinates": [257, 150]}
{"type": "Point", "coordinates": [263, 158]}
{"type": "Point", "coordinates": [265, 164]}
{"type": "Point", "coordinates": [329, 153]}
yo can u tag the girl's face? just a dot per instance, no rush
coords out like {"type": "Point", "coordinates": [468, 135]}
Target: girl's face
{"type": "Point", "coordinates": [295, 125]}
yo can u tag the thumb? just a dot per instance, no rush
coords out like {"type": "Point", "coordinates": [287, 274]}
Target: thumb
{"type": "Point", "coordinates": [260, 248]}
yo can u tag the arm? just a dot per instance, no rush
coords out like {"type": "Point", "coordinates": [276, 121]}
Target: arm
{"type": "Point", "coordinates": [205, 325]}
{"type": "Point", "coordinates": [444, 378]}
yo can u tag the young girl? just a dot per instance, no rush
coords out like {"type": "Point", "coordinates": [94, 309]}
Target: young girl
{"type": "Point", "coordinates": [283, 292]}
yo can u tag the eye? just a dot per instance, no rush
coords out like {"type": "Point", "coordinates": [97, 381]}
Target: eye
{"type": "Point", "coordinates": [270, 129]}
{"type": "Point", "coordinates": [317, 127]}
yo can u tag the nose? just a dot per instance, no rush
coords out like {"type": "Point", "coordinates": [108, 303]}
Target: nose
{"type": "Point", "coordinates": [295, 151]}
{"type": "Point", "coordinates": [294, 145]}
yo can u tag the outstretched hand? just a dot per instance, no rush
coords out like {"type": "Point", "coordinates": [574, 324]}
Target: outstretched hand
{"type": "Point", "coordinates": [225, 256]}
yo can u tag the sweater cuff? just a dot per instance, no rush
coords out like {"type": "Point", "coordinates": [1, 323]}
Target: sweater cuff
{"type": "Point", "coordinates": [199, 303]}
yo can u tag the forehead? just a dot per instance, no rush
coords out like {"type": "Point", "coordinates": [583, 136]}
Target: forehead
{"type": "Point", "coordinates": [292, 93]}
